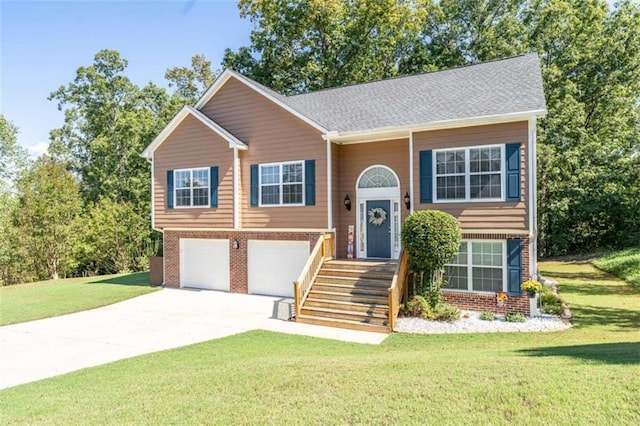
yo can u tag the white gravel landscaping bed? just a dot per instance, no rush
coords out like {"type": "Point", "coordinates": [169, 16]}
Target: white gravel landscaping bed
{"type": "Point", "coordinates": [470, 322]}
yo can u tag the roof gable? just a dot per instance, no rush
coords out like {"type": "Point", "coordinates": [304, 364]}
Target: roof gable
{"type": "Point", "coordinates": [179, 118]}
{"type": "Point", "coordinates": [271, 95]}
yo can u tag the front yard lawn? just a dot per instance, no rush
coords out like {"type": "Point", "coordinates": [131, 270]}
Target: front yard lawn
{"type": "Point", "coordinates": [26, 302]}
{"type": "Point", "coordinates": [623, 264]}
{"type": "Point", "coordinates": [585, 375]}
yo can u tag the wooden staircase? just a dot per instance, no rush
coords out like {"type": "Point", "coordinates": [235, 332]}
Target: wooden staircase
{"type": "Point", "coordinates": [350, 294]}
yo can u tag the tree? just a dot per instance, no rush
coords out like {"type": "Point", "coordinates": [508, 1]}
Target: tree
{"type": "Point", "coordinates": [47, 215]}
{"type": "Point", "coordinates": [108, 122]}
{"type": "Point", "coordinates": [313, 44]}
{"type": "Point", "coordinates": [431, 238]}
{"type": "Point", "coordinates": [13, 157]}
{"type": "Point", "coordinates": [191, 83]}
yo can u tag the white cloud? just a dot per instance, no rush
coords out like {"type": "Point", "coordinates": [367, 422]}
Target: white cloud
{"type": "Point", "coordinates": [38, 149]}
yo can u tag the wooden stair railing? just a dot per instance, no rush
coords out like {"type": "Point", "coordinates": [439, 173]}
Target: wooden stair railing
{"type": "Point", "coordinates": [323, 250]}
{"type": "Point", "coordinates": [398, 288]}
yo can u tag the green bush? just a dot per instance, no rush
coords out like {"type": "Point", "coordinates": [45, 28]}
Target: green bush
{"type": "Point", "coordinates": [487, 316]}
{"type": "Point", "coordinates": [416, 306]}
{"type": "Point", "coordinates": [431, 238]}
{"type": "Point", "coordinates": [442, 312]}
{"type": "Point", "coordinates": [551, 304]}
{"type": "Point", "coordinates": [514, 317]}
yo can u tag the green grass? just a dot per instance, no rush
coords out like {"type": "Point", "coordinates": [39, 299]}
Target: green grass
{"type": "Point", "coordinates": [26, 302]}
{"type": "Point", "coordinates": [623, 264]}
{"type": "Point", "coordinates": [585, 375]}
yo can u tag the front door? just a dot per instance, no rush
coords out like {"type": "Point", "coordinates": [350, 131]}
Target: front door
{"type": "Point", "coordinates": [378, 228]}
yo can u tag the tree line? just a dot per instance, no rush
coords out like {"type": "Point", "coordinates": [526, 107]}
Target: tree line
{"type": "Point", "coordinates": [83, 208]}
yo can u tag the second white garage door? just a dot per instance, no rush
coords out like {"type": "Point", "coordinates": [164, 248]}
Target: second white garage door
{"type": "Point", "coordinates": [204, 263]}
{"type": "Point", "coordinates": [275, 265]}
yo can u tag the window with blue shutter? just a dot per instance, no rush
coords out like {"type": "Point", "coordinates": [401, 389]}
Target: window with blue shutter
{"type": "Point", "coordinates": [169, 189]}
{"type": "Point", "coordinates": [213, 186]}
{"type": "Point", "coordinates": [255, 188]}
{"type": "Point", "coordinates": [514, 266]}
{"type": "Point", "coordinates": [426, 177]}
{"type": "Point", "coordinates": [310, 183]}
{"type": "Point", "coordinates": [512, 151]}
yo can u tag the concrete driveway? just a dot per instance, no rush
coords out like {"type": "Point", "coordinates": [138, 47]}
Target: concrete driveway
{"type": "Point", "coordinates": [157, 321]}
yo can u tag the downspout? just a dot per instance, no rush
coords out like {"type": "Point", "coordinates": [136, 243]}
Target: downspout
{"type": "Point", "coordinates": [411, 172]}
{"type": "Point", "coordinates": [329, 187]}
{"type": "Point", "coordinates": [236, 189]}
{"type": "Point", "coordinates": [533, 200]}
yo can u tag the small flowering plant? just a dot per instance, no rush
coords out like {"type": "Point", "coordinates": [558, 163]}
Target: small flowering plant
{"type": "Point", "coordinates": [501, 298]}
{"type": "Point", "coordinates": [531, 286]}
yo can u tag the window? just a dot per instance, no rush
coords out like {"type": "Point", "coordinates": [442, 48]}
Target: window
{"type": "Point", "coordinates": [282, 184]}
{"type": "Point", "coordinates": [478, 266]}
{"type": "Point", "coordinates": [192, 187]}
{"type": "Point", "coordinates": [378, 177]}
{"type": "Point", "coordinates": [469, 173]}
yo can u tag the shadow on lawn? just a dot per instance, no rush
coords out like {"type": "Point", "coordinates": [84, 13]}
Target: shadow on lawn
{"type": "Point", "coordinates": [587, 315]}
{"type": "Point", "coordinates": [598, 290]}
{"type": "Point", "coordinates": [605, 353]}
{"type": "Point", "coordinates": [137, 279]}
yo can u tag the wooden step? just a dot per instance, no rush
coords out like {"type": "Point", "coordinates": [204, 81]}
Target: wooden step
{"type": "Point", "coordinates": [361, 308]}
{"type": "Point", "coordinates": [347, 297]}
{"type": "Point", "coordinates": [352, 325]}
{"type": "Point", "coordinates": [356, 273]}
{"type": "Point", "coordinates": [372, 266]}
{"type": "Point", "coordinates": [368, 282]}
{"type": "Point", "coordinates": [351, 289]}
{"type": "Point", "coordinates": [336, 313]}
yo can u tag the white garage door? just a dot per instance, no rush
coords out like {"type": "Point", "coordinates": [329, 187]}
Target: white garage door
{"type": "Point", "coordinates": [275, 265]}
{"type": "Point", "coordinates": [204, 263]}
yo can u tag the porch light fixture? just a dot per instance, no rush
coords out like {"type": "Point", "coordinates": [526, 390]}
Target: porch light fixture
{"type": "Point", "coordinates": [407, 200]}
{"type": "Point", "coordinates": [236, 244]}
{"type": "Point", "coordinates": [347, 202]}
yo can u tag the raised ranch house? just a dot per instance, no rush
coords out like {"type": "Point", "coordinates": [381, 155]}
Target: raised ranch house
{"type": "Point", "coordinates": [254, 190]}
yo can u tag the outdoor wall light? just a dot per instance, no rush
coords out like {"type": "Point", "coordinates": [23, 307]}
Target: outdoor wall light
{"type": "Point", "coordinates": [407, 200]}
{"type": "Point", "coordinates": [236, 244]}
{"type": "Point", "coordinates": [347, 202]}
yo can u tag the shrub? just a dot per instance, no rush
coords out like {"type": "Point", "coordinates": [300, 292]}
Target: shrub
{"type": "Point", "coordinates": [487, 316]}
{"type": "Point", "coordinates": [431, 238]}
{"type": "Point", "coordinates": [442, 312]}
{"type": "Point", "coordinates": [514, 317]}
{"type": "Point", "coordinates": [551, 304]}
{"type": "Point", "coordinates": [416, 307]}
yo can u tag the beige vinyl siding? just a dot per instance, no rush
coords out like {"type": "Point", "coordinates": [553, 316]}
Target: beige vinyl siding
{"type": "Point", "coordinates": [478, 215]}
{"type": "Point", "coordinates": [193, 145]}
{"type": "Point", "coordinates": [273, 135]}
{"type": "Point", "coordinates": [337, 195]}
{"type": "Point", "coordinates": [354, 159]}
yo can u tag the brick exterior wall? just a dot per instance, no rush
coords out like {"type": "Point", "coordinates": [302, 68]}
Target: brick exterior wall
{"type": "Point", "coordinates": [237, 257]}
{"type": "Point", "coordinates": [487, 302]}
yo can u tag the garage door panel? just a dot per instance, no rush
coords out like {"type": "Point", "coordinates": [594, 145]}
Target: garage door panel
{"type": "Point", "coordinates": [273, 266]}
{"type": "Point", "coordinates": [204, 263]}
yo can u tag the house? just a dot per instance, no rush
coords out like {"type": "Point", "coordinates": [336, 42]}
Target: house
{"type": "Point", "coordinates": [249, 184]}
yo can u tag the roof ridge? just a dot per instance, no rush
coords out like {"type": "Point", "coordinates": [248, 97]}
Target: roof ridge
{"type": "Point", "coordinates": [398, 77]}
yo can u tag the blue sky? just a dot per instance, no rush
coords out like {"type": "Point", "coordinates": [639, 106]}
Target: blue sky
{"type": "Point", "coordinates": [43, 43]}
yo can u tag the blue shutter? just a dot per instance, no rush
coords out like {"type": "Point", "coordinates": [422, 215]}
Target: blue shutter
{"type": "Point", "coordinates": [514, 266]}
{"type": "Point", "coordinates": [169, 189]}
{"type": "Point", "coordinates": [213, 186]}
{"type": "Point", "coordinates": [513, 172]}
{"type": "Point", "coordinates": [310, 183]}
{"type": "Point", "coordinates": [426, 176]}
{"type": "Point", "coordinates": [255, 189]}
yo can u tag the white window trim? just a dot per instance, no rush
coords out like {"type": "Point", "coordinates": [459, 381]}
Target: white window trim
{"type": "Point", "coordinates": [175, 188]}
{"type": "Point", "coordinates": [280, 164]}
{"type": "Point", "coordinates": [469, 266]}
{"type": "Point", "coordinates": [467, 174]}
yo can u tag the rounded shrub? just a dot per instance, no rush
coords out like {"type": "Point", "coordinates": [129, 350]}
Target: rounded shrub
{"type": "Point", "coordinates": [431, 238]}
{"type": "Point", "coordinates": [487, 316]}
{"type": "Point", "coordinates": [514, 317]}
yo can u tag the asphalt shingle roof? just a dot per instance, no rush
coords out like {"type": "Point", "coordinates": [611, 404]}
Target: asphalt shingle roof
{"type": "Point", "coordinates": [498, 87]}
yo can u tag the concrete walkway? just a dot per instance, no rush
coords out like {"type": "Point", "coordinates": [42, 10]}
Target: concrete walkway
{"type": "Point", "coordinates": [154, 322]}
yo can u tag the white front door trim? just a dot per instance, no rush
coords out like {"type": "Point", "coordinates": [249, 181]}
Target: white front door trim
{"type": "Point", "coordinates": [392, 194]}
